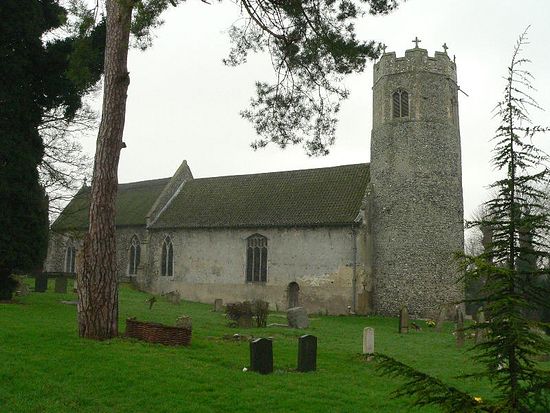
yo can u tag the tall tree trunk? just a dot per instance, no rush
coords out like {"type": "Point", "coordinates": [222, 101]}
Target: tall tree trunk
{"type": "Point", "coordinates": [97, 279]}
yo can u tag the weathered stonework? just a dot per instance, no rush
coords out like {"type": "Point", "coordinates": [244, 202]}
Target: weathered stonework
{"type": "Point", "coordinates": [212, 263]}
{"type": "Point", "coordinates": [416, 207]}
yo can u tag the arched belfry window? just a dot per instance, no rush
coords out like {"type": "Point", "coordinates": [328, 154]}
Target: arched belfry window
{"type": "Point", "coordinates": [400, 104]}
{"type": "Point", "coordinates": [167, 258]}
{"type": "Point", "coordinates": [256, 258]}
{"type": "Point", "coordinates": [135, 252]}
{"type": "Point", "coordinates": [70, 259]}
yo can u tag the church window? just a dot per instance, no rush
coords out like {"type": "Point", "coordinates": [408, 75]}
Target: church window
{"type": "Point", "coordinates": [256, 258]}
{"type": "Point", "coordinates": [400, 104]}
{"type": "Point", "coordinates": [167, 258]}
{"type": "Point", "coordinates": [135, 252]}
{"type": "Point", "coordinates": [70, 258]}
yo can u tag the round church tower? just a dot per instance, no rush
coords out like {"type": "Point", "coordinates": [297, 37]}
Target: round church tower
{"type": "Point", "coordinates": [416, 215]}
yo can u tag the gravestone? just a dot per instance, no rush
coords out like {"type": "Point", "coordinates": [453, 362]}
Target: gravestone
{"type": "Point", "coordinates": [459, 327]}
{"type": "Point", "coordinates": [218, 305]}
{"type": "Point", "coordinates": [480, 333]}
{"type": "Point", "coordinates": [184, 321]}
{"type": "Point", "coordinates": [441, 319]}
{"type": "Point", "coordinates": [22, 289]}
{"type": "Point", "coordinates": [261, 356]}
{"type": "Point", "coordinates": [245, 321]}
{"type": "Point", "coordinates": [404, 320]}
{"type": "Point", "coordinates": [307, 353]}
{"type": "Point", "coordinates": [61, 285]}
{"type": "Point", "coordinates": [40, 283]}
{"type": "Point", "coordinates": [368, 340]}
{"type": "Point", "coordinates": [297, 317]}
{"type": "Point", "coordinates": [173, 297]}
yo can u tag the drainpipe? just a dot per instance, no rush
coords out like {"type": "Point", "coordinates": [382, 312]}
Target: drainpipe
{"type": "Point", "coordinates": [354, 266]}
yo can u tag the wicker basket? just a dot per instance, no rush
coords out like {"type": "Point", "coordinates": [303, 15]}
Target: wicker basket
{"type": "Point", "coordinates": [158, 333]}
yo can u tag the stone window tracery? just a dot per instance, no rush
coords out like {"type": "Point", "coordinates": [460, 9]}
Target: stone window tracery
{"type": "Point", "coordinates": [70, 259]}
{"type": "Point", "coordinates": [135, 252]}
{"type": "Point", "coordinates": [167, 258]}
{"type": "Point", "coordinates": [400, 104]}
{"type": "Point", "coordinates": [256, 258]}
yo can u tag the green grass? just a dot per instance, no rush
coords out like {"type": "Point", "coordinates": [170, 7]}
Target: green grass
{"type": "Point", "coordinates": [45, 367]}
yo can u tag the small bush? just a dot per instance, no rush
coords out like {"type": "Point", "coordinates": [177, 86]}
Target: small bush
{"type": "Point", "coordinates": [241, 313]}
{"type": "Point", "coordinates": [261, 310]}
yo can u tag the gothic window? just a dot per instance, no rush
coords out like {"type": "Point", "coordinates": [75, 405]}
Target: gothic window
{"type": "Point", "coordinates": [70, 258]}
{"type": "Point", "coordinates": [167, 258]}
{"type": "Point", "coordinates": [256, 258]}
{"type": "Point", "coordinates": [135, 252]}
{"type": "Point", "coordinates": [400, 104]}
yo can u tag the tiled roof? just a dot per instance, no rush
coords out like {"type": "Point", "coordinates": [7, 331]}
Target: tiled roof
{"type": "Point", "coordinates": [134, 200]}
{"type": "Point", "coordinates": [309, 197]}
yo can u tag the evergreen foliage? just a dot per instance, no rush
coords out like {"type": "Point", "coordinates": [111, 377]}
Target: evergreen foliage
{"type": "Point", "coordinates": [510, 267]}
{"type": "Point", "coordinates": [34, 78]}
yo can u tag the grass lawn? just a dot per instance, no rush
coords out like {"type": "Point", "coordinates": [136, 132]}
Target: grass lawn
{"type": "Point", "coordinates": [45, 367]}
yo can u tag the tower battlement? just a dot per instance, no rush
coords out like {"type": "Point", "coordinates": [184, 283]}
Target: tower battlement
{"type": "Point", "coordinates": [416, 60]}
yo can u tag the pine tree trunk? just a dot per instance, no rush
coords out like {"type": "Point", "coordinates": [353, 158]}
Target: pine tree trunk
{"type": "Point", "coordinates": [97, 272]}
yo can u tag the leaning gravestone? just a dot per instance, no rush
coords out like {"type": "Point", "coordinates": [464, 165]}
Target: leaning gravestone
{"type": "Point", "coordinates": [261, 356]}
{"type": "Point", "coordinates": [307, 353]}
{"type": "Point", "coordinates": [61, 285]}
{"type": "Point", "coordinates": [480, 333]}
{"type": "Point", "coordinates": [404, 320]}
{"type": "Point", "coordinates": [218, 305]}
{"type": "Point", "coordinates": [441, 319]}
{"type": "Point", "coordinates": [368, 340]}
{"type": "Point", "coordinates": [297, 317]}
{"type": "Point", "coordinates": [173, 297]}
{"type": "Point", "coordinates": [459, 327]}
{"type": "Point", "coordinates": [40, 283]}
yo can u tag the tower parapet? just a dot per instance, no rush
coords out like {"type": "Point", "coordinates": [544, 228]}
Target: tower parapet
{"type": "Point", "coordinates": [415, 59]}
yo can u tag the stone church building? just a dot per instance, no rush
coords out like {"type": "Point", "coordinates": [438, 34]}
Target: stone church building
{"type": "Point", "coordinates": [367, 238]}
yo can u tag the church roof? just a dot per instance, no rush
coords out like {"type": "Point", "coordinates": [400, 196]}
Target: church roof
{"type": "Point", "coordinates": [308, 197]}
{"type": "Point", "coordinates": [134, 200]}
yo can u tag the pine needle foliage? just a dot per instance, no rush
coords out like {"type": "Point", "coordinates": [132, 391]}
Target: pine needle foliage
{"type": "Point", "coordinates": [511, 269]}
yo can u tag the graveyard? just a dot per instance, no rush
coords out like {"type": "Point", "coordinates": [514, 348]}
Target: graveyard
{"type": "Point", "coordinates": [47, 368]}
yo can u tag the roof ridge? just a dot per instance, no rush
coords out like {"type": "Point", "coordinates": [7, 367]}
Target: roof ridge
{"type": "Point", "coordinates": [284, 172]}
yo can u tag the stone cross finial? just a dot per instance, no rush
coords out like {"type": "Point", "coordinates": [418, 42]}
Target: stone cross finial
{"type": "Point", "coordinates": [445, 47]}
{"type": "Point", "coordinates": [416, 41]}
{"type": "Point", "coordinates": [384, 47]}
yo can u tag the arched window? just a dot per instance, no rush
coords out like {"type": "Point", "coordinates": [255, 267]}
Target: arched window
{"type": "Point", "coordinates": [256, 258]}
{"type": "Point", "coordinates": [167, 258]}
{"type": "Point", "coordinates": [70, 259]}
{"type": "Point", "coordinates": [400, 103]}
{"type": "Point", "coordinates": [135, 252]}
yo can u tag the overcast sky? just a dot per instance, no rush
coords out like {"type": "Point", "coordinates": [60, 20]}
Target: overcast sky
{"type": "Point", "coordinates": [183, 103]}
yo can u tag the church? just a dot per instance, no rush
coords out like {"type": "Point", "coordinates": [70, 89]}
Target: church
{"type": "Point", "coordinates": [365, 238]}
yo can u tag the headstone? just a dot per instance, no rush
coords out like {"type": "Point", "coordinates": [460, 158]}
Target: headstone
{"type": "Point", "coordinates": [307, 353]}
{"type": "Point", "coordinates": [404, 320]}
{"type": "Point", "coordinates": [173, 297]}
{"type": "Point", "coordinates": [40, 283]}
{"type": "Point", "coordinates": [297, 317]}
{"type": "Point", "coordinates": [218, 305]}
{"type": "Point", "coordinates": [22, 289]}
{"type": "Point", "coordinates": [459, 326]}
{"type": "Point", "coordinates": [61, 285]}
{"type": "Point", "coordinates": [368, 340]}
{"type": "Point", "coordinates": [441, 319]}
{"type": "Point", "coordinates": [481, 332]}
{"type": "Point", "coordinates": [261, 356]}
{"type": "Point", "coordinates": [184, 321]}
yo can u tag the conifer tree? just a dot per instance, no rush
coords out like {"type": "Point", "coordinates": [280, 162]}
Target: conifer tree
{"type": "Point", "coordinates": [510, 269]}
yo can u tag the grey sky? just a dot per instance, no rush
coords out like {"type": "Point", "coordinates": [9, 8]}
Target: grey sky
{"type": "Point", "coordinates": [183, 103]}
